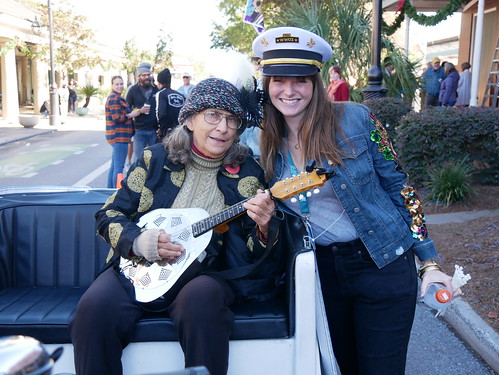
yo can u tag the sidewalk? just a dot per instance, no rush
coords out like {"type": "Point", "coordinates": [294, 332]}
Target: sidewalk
{"type": "Point", "coordinates": [14, 132]}
{"type": "Point", "coordinates": [460, 316]}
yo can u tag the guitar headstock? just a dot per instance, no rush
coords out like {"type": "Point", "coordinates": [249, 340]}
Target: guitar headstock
{"type": "Point", "coordinates": [297, 184]}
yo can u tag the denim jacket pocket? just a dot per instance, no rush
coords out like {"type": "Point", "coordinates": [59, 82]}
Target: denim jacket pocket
{"type": "Point", "coordinates": [358, 163]}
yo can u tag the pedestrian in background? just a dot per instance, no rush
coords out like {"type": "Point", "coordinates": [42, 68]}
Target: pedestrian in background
{"type": "Point", "coordinates": [73, 97]}
{"type": "Point", "coordinates": [119, 128]}
{"type": "Point", "coordinates": [448, 87]}
{"type": "Point", "coordinates": [464, 86]}
{"type": "Point", "coordinates": [142, 95]}
{"type": "Point", "coordinates": [366, 224]}
{"type": "Point", "coordinates": [432, 79]}
{"type": "Point", "coordinates": [186, 87]}
{"type": "Point", "coordinates": [168, 104]}
{"type": "Point", "coordinates": [337, 90]}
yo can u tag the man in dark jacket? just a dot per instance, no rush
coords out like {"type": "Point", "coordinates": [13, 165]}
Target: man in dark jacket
{"type": "Point", "coordinates": [168, 104]}
{"type": "Point", "coordinates": [139, 95]}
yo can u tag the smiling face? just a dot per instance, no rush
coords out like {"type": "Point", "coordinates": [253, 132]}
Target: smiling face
{"type": "Point", "coordinates": [291, 96]}
{"type": "Point", "coordinates": [118, 85]}
{"type": "Point", "coordinates": [212, 140]}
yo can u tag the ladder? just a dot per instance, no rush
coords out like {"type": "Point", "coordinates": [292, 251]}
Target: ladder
{"type": "Point", "coordinates": [490, 97]}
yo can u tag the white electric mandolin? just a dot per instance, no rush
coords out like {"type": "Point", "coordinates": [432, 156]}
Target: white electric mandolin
{"type": "Point", "coordinates": [192, 228]}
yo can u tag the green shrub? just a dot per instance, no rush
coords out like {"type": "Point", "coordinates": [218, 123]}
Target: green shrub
{"type": "Point", "coordinates": [450, 183]}
{"type": "Point", "coordinates": [389, 111]}
{"type": "Point", "coordinates": [435, 136]}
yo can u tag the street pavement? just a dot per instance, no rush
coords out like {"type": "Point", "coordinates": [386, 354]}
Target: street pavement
{"type": "Point", "coordinates": [434, 347]}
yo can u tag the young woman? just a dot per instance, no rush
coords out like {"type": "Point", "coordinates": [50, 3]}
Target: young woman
{"type": "Point", "coordinates": [199, 164]}
{"type": "Point", "coordinates": [119, 128]}
{"type": "Point", "coordinates": [366, 223]}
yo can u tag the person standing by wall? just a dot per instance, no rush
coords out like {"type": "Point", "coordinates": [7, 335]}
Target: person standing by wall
{"type": "Point", "coordinates": [119, 128]}
{"type": "Point", "coordinates": [73, 97]}
{"type": "Point", "coordinates": [432, 79]}
{"type": "Point", "coordinates": [138, 96]}
{"type": "Point", "coordinates": [366, 224]}
{"type": "Point", "coordinates": [464, 86]}
{"type": "Point", "coordinates": [168, 104]}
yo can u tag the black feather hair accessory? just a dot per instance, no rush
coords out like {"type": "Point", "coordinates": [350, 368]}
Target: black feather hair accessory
{"type": "Point", "coordinates": [252, 102]}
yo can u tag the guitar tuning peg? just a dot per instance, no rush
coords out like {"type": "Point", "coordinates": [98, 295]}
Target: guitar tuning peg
{"type": "Point", "coordinates": [309, 194]}
{"type": "Point", "coordinates": [294, 200]}
{"type": "Point", "coordinates": [316, 191]}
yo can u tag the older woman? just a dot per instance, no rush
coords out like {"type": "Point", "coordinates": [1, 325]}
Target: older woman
{"type": "Point", "coordinates": [337, 90]}
{"type": "Point", "coordinates": [448, 88]}
{"type": "Point", "coordinates": [200, 164]}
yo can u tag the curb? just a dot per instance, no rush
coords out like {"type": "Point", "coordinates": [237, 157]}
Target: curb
{"type": "Point", "coordinates": [26, 137]}
{"type": "Point", "coordinates": [474, 331]}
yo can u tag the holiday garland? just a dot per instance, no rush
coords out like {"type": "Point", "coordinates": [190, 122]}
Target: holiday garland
{"type": "Point", "coordinates": [22, 46]}
{"type": "Point", "coordinates": [409, 10]}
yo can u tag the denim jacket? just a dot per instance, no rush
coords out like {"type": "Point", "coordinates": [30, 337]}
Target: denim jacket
{"type": "Point", "coordinates": [370, 186]}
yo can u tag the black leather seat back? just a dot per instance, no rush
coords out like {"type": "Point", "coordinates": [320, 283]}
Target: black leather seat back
{"type": "Point", "coordinates": [49, 239]}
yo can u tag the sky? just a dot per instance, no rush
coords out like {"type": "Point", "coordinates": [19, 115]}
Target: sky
{"type": "Point", "coordinates": [189, 22]}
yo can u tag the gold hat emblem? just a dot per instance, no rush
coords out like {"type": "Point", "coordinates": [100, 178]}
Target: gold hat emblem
{"type": "Point", "coordinates": [287, 38]}
{"type": "Point", "coordinates": [311, 43]}
{"type": "Point", "coordinates": [264, 42]}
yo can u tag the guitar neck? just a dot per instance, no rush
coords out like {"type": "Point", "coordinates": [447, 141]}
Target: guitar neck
{"type": "Point", "coordinates": [203, 226]}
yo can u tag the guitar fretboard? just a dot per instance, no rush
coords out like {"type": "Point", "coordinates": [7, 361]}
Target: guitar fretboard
{"type": "Point", "coordinates": [203, 226]}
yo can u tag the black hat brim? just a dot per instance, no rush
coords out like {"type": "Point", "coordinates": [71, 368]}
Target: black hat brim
{"type": "Point", "coordinates": [289, 70]}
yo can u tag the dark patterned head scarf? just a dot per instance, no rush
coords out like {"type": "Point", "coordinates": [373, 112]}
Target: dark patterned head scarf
{"type": "Point", "coordinates": [220, 94]}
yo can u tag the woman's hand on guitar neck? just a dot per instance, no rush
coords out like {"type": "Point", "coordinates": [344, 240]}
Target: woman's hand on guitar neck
{"type": "Point", "coordinates": [261, 208]}
{"type": "Point", "coordinates": [166, 249]}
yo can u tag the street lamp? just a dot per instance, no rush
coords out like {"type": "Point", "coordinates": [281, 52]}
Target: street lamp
{"type": "Point", "coordinates": [54, 107]}
{"type": "Point", "coordinates": [374, 87]}
{"type": "Point", "coordinates": [36, 27]}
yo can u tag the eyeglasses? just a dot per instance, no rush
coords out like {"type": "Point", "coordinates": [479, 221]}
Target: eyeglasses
{"type": "Point", "coordinates": [214, 118]}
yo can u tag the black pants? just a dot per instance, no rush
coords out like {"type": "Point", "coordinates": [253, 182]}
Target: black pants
{"type": "Point", "coordinates": [432, 100]}
{"type": "Point", "coordinates": [369, 310]}
{"type": "Point", "coordinates": [106, 314]}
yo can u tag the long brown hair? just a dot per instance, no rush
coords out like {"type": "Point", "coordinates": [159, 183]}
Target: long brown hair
{"type": "Point", "coordinates": [317, 132]}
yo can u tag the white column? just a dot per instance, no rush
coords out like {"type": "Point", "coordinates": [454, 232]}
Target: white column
{"type": "Point", "coordinates": [10, 101]}
{"type": "Point", "coordinates": [477, 54]}
{"type": "Point", "coordinates": [40, 83]}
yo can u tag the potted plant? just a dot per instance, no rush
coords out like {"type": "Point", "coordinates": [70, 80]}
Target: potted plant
{"type": "Point", "coordinates": [88, 91]}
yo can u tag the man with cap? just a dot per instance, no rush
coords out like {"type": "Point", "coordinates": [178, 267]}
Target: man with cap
{"type": "Point", "coordinates": [142, 95]}
{"type": "Point", "coordinates": [432, 79]}
{"type": "Point", "coordinates": [186, 87]}
{"type": "Point", "coordinates": [366, 224]}
{"type": "Point", "coordinates": [199, 164]}
{"type": "Point", "coordinates": [168, 104]}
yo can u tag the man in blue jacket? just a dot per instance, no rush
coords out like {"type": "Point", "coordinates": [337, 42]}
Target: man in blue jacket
{"type": "Point", "coordinates": [432, 78]}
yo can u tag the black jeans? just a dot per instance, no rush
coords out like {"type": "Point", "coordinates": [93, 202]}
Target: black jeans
{"type": "Point", "coordinates": [369, 310]}
{"type": "Point", "coordinates": [106, 314]}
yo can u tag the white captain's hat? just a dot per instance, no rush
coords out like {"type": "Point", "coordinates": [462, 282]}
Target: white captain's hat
{"type": "Point", "coordinates": [291, 51]}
